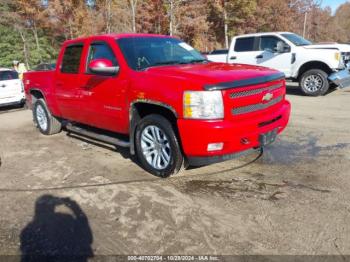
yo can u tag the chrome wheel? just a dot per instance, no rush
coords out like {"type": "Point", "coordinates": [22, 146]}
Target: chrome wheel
{"type": "Point", "coordinates": [313, 83]}
{"type": "Point", "coordinates": [155, 147]}
{"type": "Point", "coordinates": [41, 117]}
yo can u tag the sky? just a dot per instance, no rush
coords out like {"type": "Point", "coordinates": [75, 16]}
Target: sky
{"type": "Point", "coordinates": [333, 3]}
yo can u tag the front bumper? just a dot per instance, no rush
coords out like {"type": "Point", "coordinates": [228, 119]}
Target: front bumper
{"type": "Point", "coordinates": [196, 135]}
{"type": "Point", "coordinates": [341, 78]}
{"type": "Point", "coordinates": [208, 160]}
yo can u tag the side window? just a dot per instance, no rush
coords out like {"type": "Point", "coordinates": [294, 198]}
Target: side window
{"type": "Point", "coordinates": [8, 75]}
{"type": "Point", "coordinates": [269, 43]}
{"type": "Point", "coordinates": [71, 59]}
{"type": "Point", "coordinates": [101, 50]}
{"type": "Point", "coordinates": [245, 44]}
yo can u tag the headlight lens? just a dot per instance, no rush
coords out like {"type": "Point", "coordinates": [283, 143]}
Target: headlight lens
{"type": "Point", "coordinates": [203, 105]}
{"type": "Point", "coordinates": [337, 56]}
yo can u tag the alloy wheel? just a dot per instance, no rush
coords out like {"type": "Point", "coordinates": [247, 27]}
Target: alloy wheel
{"type": "Point", "coordinates": [155, 147]}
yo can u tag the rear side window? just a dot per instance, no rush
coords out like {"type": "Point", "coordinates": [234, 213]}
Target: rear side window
{"type": "Point", "coordinates": [245, 44]}
{"type": "Point", "coordinates": [8, 75]}
{"type": "Point", "coordinates": [71, 59]}
{"type": "Point", "coordinates": [101, 50]}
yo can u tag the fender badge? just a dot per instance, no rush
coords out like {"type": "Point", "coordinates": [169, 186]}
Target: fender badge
{"type": "Point", "coordinates": [267, 97]}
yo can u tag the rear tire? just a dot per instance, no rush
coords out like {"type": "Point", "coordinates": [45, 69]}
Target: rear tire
{"type": "Point", "coordinates": [157, 146]}
{"type": "Point", "coordinates": [314, 82]}
{"type": "Point", "coordinates": [44, 120]}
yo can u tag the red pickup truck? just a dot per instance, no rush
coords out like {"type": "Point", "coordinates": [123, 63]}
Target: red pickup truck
{"type": "Point", "coordinates": [160, 97]}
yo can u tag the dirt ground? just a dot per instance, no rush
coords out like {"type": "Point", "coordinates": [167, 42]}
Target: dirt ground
{"type": "Point", "coordinates": [64, 195]}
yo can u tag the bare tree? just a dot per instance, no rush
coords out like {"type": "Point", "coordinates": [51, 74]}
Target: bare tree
{"type": "Point", "coordinates": [133, 6]}
{"type": "Point", "coordinates": [172, 7]}
{"type": "Point", "coordinates": [224, 10]}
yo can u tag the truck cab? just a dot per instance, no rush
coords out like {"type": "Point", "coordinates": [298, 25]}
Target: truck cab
{"type": "Point", "coordinates": [300, 60]}
{"type": "Point", "coordinates": [161, 98]}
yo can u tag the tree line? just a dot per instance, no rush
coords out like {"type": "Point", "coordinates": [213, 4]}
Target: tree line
{"type": "Point", "coordinates": [32, 30]}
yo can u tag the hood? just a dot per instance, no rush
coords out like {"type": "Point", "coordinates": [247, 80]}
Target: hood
{"type": "Point", "coordinates": [340, 47]}
{"type": "Point", "coordinates": [212, 73]}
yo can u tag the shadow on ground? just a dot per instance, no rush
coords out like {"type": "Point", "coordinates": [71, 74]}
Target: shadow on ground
{"type": "Point", "coordinates": [295, 90]}
{"type": "Point", "coordinates": [59, 231]}
{"type": "Point", "coordinates": [305, 148]}
{"type": "Point", "coordinates": [5, 109]}
{"type": "Point", "coordinates": [123, 151]}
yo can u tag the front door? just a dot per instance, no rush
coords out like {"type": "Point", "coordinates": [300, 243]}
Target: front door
{"type": "Point", "coordinates": [268, 56]}
{"type": "Point", "coordinates": [104, 95]}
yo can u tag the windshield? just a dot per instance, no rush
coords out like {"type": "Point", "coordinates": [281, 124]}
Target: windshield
{"type": "Point", "coordinates": [144, 52]}
{"type": "Point", "coordinates": [297, 39]}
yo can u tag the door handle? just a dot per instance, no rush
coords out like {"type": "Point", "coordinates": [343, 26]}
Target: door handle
{"type": "Point", "coordinates": [233, 57]}
{"type": "Point", "coordinates": [59, 84]}
{"type": "Point", "coordinates": [3, 85]}
{"type": "Point", "coordinates": [259, 57]}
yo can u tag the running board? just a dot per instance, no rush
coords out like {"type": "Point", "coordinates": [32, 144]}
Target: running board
{"type": "Point", "coordinates": [97, 136]}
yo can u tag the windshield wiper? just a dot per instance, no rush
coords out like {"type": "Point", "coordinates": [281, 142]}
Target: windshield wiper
{"type": "Point", "coordinates": [176, 62]}
{"type": "Point", "coordinates": [173, 62]}
{"type": "Point", "coordinates": [197, 61]}
{"type": "Point", "coordinates": [167, 63]}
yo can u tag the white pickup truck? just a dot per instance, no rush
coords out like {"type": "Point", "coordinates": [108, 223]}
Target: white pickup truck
{"type": "Point", "coordinates": [315, 67]}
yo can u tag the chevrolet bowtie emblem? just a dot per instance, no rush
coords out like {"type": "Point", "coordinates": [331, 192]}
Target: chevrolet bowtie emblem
{"type": "Point", "coordinates": [267, 97]}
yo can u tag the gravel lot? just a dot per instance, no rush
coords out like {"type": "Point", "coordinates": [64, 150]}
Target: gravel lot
{"type": "Point", "coordinates": [66, 195]}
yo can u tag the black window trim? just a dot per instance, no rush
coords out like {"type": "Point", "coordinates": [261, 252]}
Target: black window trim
{"type": "Point", "coordinates": [87, 72]}
{"type": "Point", "coordinates": [78, 44]}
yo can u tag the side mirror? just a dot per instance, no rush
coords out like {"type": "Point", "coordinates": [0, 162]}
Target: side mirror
{"type": "Point", "coordinates": [103, 67]}
{"type": "Point", "coordinates": [282, 47]}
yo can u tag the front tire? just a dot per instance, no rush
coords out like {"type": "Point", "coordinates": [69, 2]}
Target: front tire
{"type": "Point", "coordinates": [46, 123]}
{"type": "Point", "coordinates": [157, 146]}
{"type": "Point", "coordinates": [314, 82]}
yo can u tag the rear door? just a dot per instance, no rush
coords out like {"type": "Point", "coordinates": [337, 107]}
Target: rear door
{"type": "Point", "coordinates": [244, 50]}
{"type": "Point", "coordinates": [68, 83]}
{"type": "Point", "coordinates": [11, 87]}
{"type": "Point", "coordinates": [270, 58]}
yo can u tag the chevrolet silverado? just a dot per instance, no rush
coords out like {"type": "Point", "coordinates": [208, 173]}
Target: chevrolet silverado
{"type": "Point", "coordinates": [158, 96]}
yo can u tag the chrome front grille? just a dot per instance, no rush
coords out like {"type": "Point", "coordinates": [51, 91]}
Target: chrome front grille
{"type": "Point", "coordinates": [256, 107]}
{"type": "Point", "coordinates": [256, 91]}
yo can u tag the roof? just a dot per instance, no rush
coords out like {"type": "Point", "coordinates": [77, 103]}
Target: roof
{"type": "Point", "coordinates": [265, 33]}
{"type": "Point", "coordinates": [118, 36]}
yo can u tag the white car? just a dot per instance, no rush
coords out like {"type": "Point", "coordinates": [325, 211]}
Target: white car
{"type": "Point", "coordinates": [11, 88]}
{"type": "Point", "coordinates": [315, 67]}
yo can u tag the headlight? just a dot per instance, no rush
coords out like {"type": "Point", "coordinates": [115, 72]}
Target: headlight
{"type": "Point", "coordinates": [337, 56]}
{"type": "Point", "coordinates": [203, 105]}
